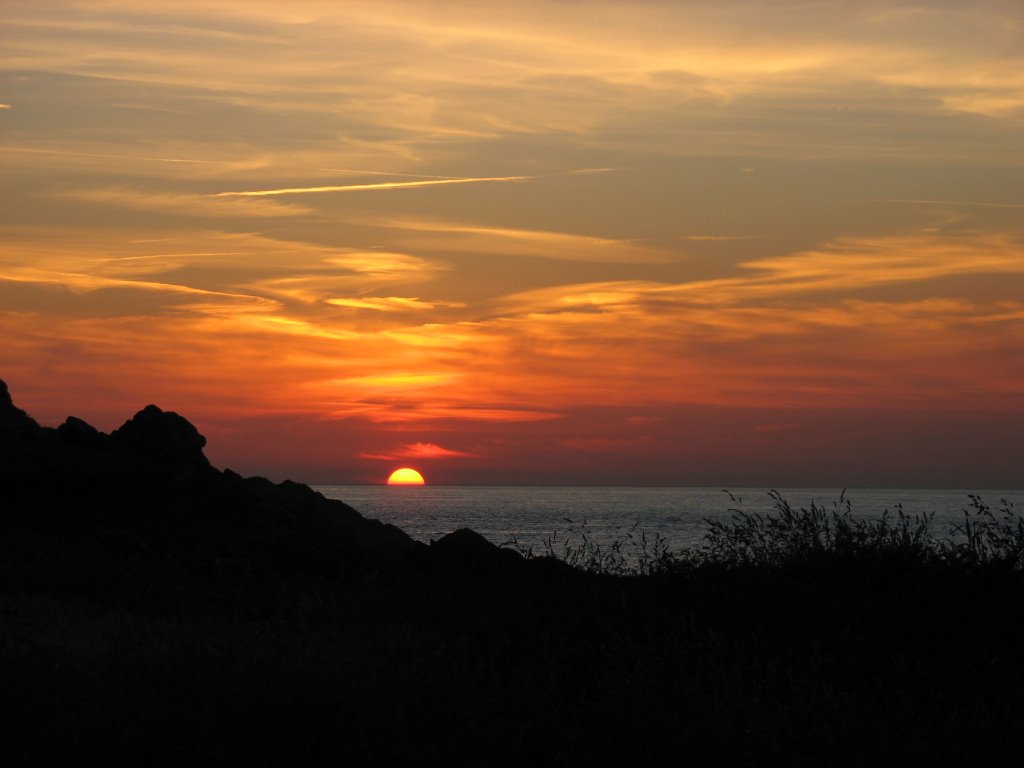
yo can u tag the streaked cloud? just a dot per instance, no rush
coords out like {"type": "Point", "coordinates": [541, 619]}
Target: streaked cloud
{"type": "Point", "coordinates": [389, 304]}
{"type": "Point", "coordinates": [358, 172]}
{"type": "Point", "coordinates": [968, 203]}
{"type": "Point", "coordinates": [405, 380]}
{"type": "Point", "coordinates": [103, 155]}
{"type": "Point", "coordinates": [190, 204]}
{"type": "Point", "coordinates": [430, 416]}
{"type": "Point", "coordinates": [441, 236]}
{"type": "Point", "coordinates": [669, 78]}
{"type": "Point", "coordinates": [79, 282]}
{"type": "Point", "coordinates": [420, 451]}
{"type": "Point", "coordinates": [371, 187]}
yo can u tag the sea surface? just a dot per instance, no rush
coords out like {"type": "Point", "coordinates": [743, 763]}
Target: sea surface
{"type": "Point", "coordinates": [546, 517]}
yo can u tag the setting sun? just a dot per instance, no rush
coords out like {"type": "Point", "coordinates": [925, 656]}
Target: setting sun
{"type": "Point", "coordinates": [406, 476]}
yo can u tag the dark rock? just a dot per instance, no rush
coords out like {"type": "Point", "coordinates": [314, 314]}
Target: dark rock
{"type": "Point", "coordinates": [466, 547]}
{"type": "Point", "coordinates": [149, 479]}
{"type": "Point", "coordinates": [14, 422]}
{"type": "Point", "coordinates": [162, 435]}
{"type": "Point", "coordinates": [75, 430]}
{"type": "Point", "coordinates": [463, 543]}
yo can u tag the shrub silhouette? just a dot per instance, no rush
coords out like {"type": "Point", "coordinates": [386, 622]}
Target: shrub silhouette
{"type": "Point", "coordinates": [789, 535]}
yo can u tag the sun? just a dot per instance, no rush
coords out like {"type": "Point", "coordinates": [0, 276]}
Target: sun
{"type": "Point", "coordinates": [406, 476]}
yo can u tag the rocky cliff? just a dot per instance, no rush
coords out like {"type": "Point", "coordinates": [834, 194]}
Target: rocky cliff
{"type": "Point", "coordinates": [151, 478]}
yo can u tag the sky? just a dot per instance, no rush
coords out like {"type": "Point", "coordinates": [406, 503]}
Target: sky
{"type": "Point", "coordinates": [658, 243]}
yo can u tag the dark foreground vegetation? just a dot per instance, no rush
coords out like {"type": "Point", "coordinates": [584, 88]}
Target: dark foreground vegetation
{"type": "Point", "coordinates": [157, 611]}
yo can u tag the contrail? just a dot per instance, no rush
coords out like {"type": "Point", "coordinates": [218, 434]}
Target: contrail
{"type": "Point", "coordinates": [368, 187]}
{"type": "Point", "coordinates": [948, 202]}
{"type": "Point", "coordinates": [114, 157]}
{"type": "Point", "coordinates": [429, 181]}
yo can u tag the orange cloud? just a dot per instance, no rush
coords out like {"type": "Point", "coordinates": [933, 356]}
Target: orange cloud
{"type": "Point", "coordinates": [419, 451]}
{"type": "Point", "coordinates": [763, 337]}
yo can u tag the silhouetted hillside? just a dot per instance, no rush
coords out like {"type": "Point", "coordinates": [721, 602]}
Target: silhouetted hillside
{"type": "Point", "coordinates": [155, 610]}
{"type": "Point", "coordinates": [151, 491]}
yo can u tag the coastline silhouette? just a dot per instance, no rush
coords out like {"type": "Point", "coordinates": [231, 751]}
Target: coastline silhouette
{"type": "Point", "coordinates": [154, 608]}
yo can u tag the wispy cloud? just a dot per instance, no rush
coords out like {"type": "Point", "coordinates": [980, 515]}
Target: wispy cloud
{"type": "Point", "coordinates": [721, 238]}
{"type": "Point", "coordinates": [845, 265]}
{"type": "Point", "coordinates": [462, 412]}
{"type": "Point", "coordinates": [190, 204]}
{"type": "Point", "coordinates": [371, 187]}
{"type": "Point", "coordinates": [401, 380]}
{"type": "Point", "coordinates": [587, 171]}
{"type": "Point", "coordinates": [356, 172]}
{"type": "Point", "coordinates": [419, 451]}
{"type": "Point", "coordinates": [325, 272]}
{"type": "Point", "coordinates": [80, 282]}
{"type": "Point", "coordinates": [672, 78]}
{"type": "Point", "coordinates": [390, 303]}
{"type": "Point", "coordinates": [437, 235]}
{"type": "Point", "coordinates": [968, 203]}
{"type": "Point", "coordinates": [106, 155]}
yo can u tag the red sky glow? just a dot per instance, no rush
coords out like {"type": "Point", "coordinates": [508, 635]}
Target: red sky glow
{"type": "Point", "coordinates": [607, 243]}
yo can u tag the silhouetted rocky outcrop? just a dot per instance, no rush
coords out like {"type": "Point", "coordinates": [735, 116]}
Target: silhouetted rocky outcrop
{"type": "Point", "coordinates": [150, 477]}
{"type": "Point", "coordinates": [14, 422]}
{"type": "Point", "coordinates": [162, 435]}
{"type": "Point", "coordinates": [465, 549]}
{"type": "Point", "coordinates": [74, 430]}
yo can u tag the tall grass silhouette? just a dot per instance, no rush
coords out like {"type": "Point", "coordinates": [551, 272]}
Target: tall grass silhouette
{"type": "Point", "coordinates": [788, 534]}
{"type": "Point", "coordinates": [632, 552]}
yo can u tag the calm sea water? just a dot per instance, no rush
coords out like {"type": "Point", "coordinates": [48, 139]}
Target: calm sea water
{"type": "Point", "coordinates": [530, 515]}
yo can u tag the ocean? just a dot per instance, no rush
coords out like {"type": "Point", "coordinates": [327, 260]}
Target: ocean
{"type": "Point", "coordinates": [533, 516]}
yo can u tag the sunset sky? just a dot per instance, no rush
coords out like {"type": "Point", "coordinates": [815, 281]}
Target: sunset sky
{"type": "Point", "coordinates": [645, 242]}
